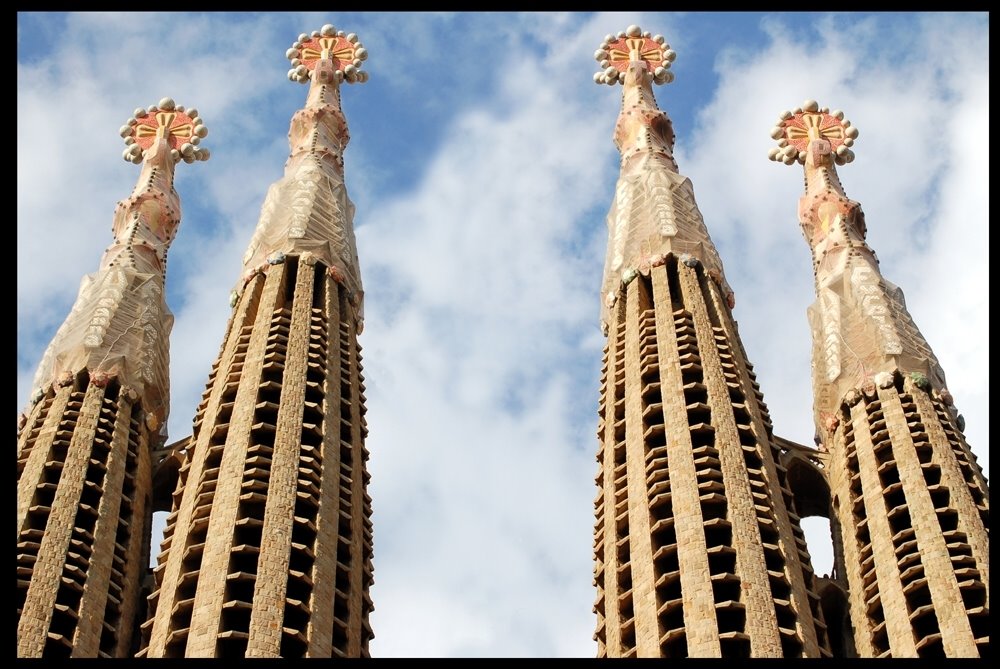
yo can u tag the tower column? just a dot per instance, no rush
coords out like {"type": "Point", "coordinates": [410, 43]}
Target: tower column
{"type": "Point", "coordinates": [848, 504]}
{"type": "Point", "coordinates": [36, 447]}
{"type": "Point", "coordinates": [756, 601]}
{"type": "Point", "coordinates": [100, 399]}
{"type": "Point", "coordinates": [235, 485]}
{"type": "Point", "coordinates": [94, 599]}
{"type": "Point", "coordinates": [270, 591]}
{"type": "Point", "coordinates": [884, 602]}
{"type": "Point", "coordinates": [612, 481]}
{"type": "Point", "coordinates": [708, 554]}
{"type": "Point", "coordinates": [179, 561]}
{"type": "Point", "coordinates": [765, 457]}
{"type": "Point", "coordinates": [328, 601]}
{"type": "Point", "coordinates": [640, 596]}
{"type": "Point", "coordinates": [913, 504]}
{"type": "Point", "coordinates": [939, 572]}
{"type": "Point", "coordinates": [269, 554]}
{"type": "Point", "coordinates": [32, 629]}
{"type": "Point", "coordinates": [693, 555]}
{"type": "Point", "coordinates": [960, 476]}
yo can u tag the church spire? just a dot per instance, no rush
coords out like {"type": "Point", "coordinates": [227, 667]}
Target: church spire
{"type": "Point", "coordinates": [698, 549]}
{"type": "Point", "coordinates": [308, 209]}
{"type": "Point", "coordinates": [267, 551]}
{"type": "Point", "coordinates": [654, 211]}
{"type": "Point", "coordinates": [119, 325]}
{"type": "Point", "coordinates": [98, 410]}
{"type": "Point", "coordinates": [909, 504]}
{"type": "Point", "coordinates": [862, 332]}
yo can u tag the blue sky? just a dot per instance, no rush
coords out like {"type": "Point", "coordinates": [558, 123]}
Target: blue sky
{"type": "Point", "coordinates": [482, 168]}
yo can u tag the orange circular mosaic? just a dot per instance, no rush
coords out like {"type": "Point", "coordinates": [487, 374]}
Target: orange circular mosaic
{"type": "Point", "coordinates": [176, 126]}
{"type": "Point", "coordinates": [341, 51]}
{"type": "Point", "coordinates": [620, 52]}
{"type": "Point", "coordinates": [804, 127]}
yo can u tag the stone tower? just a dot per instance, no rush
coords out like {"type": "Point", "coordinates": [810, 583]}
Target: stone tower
{"type": "Point", "coordinates": [100, 399]}
{"type": "Point", "coordinates": [909, 502]}
{"type": "Point", "coordinates": [698, 547]}
{"type": "Point", "coordinates": [268, 545]}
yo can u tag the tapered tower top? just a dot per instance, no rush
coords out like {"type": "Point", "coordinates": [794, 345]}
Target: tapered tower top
{"type": "Point", "coordinates": [654, 212]}
{"type": "Point", "coordinates": [119, 325]}
{"type": "Point", "coordinates": [862, 332]}
{"type": "Point", "coordinates": [307, 212]}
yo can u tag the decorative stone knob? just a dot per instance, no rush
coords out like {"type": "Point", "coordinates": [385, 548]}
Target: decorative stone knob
{"type": "Point", "coordinates": [182, 128]}
{"type": "Point", "coordinates": [328, 43]}
{"type": "Point", "coordinates": [630, 46]}
{"type": "Point", "coordinates": [795, 129]}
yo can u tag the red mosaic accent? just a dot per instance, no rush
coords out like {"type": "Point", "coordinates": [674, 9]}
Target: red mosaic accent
{"type": "Point", "coordinates": [650, 52]}
{"type": "Point", "coordinates": [180, 125]}
{"type": "Point", "coordinates": [801, 128]}
{"type": "Point", "coordinates": [341, 50]}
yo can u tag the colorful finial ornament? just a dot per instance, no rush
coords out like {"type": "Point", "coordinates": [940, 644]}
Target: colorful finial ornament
{"type": "Point", "coordinates": [634, 45]}
{"type": "Point", "coordinates": [344, 49]}
{"type": "Point", "coordinates": [182, 128]}
{"type": "Point", "coordinates": [797, 128]}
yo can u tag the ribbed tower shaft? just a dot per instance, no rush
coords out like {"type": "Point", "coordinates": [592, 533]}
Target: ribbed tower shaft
{"type": "Point", "coordinates": [83, 518]}
{"type": "Point", "coordinates": [83, 463]}
{"type": "Point", "coordinates": [698, 547]}
{"type": "Point", "coordinates": [911, 503]}
{"type": "Point", "coordinates": [268, 546]}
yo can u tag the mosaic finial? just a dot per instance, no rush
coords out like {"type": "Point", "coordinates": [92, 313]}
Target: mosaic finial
{"type": "Point", "coordinates": [634, 45]}
{"type": "Point", "coordinates": [182, 128]}
{"type": "Point", "coordinates": [328, 43]}
{"type": "Point", "coordinates": [797, 128]}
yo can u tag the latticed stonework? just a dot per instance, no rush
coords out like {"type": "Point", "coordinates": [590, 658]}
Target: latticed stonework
{"type": "Point", "coordinates": [268, 546]}
{"type": "Point", "coordinates": [698, 547]}
{"type": "Point", "coordinates": [83, 518]}
{"type": "Point", "coordinates": [909, 501]}
{"type": "Point", "coordinates": [916, 508]}
{"type": "Point", "coordinates": [83, 462]}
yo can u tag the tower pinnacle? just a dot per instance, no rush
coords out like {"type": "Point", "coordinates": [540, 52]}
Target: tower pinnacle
{"type": "Point", "coordinates": [119, 323]}
{"type": "Point", "coordinates": [100, 402]}
{"type": "Point", "coordinates": [862, 332]}
{"type": "Point", "coordinates": [268, 548]}
{"type": "Point", "coordinates": [342, 52]}
{"type": "Point", "coordinates": [907, 496]}
{"type": "Point", "coordinates": [308, 210]}
{"type": "Point", "coordinates": [654, 211]}
{"type": "Point", "coordinates": [632, 45]}
{"type": "Point", "coordinates": [798, 129]}
{"type": "Point", "coordinates": [182, 130]}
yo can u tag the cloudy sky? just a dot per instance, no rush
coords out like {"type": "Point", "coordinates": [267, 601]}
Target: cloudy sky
{"type": "Point", "coordinates": [482, 167]}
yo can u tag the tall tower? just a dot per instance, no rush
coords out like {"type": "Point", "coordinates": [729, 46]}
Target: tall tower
{"type": "Point", "coordinates": [910, 501]}
{"type": "Point", "coordinates": [697, 543]}
{"type": "Point", "coordinates": [100, 399]}
{"type": "Point", "coordinates": [268, 546]}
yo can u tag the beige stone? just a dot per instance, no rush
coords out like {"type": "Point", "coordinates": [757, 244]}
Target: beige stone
{"type": "Point", "coordinates": [84, 469]}
{"type": "Point", "coordinates": [909, 503]}
{"type": "Point", "coordinates": [268, 552]}
{"type": "Point", "coordinates": [697, 545]}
